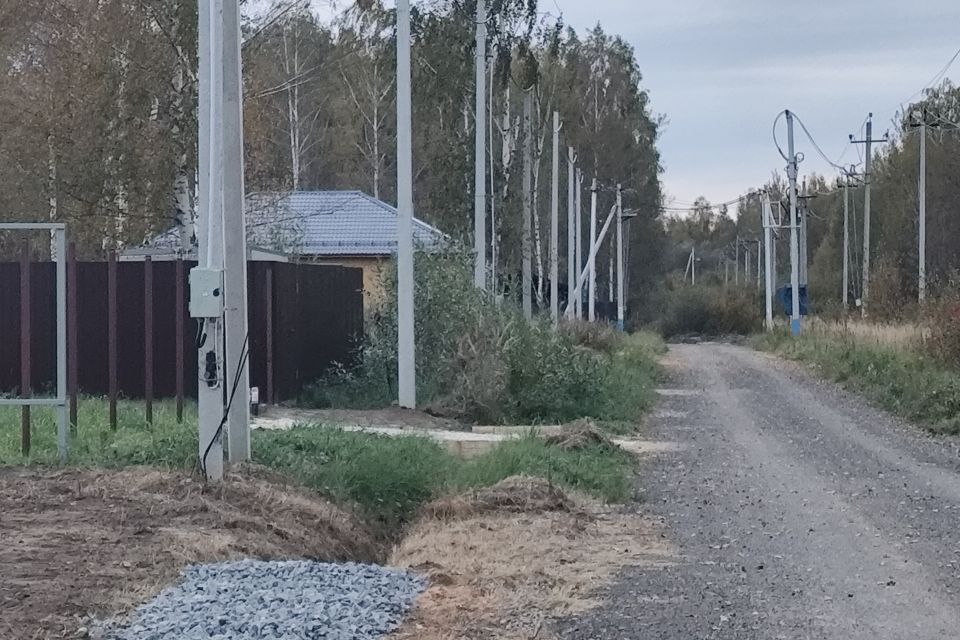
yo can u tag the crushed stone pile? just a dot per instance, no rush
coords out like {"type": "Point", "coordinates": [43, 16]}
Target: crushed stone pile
{"type": "Point", "coordinates": [291, 600]}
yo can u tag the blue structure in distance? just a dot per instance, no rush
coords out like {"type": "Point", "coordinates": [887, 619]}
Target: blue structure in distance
{"type": "Point", "coordinates": [785, 296]}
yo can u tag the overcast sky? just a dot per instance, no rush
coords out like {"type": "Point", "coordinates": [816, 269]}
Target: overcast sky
{"type": "Point", "coordinates": [721, 70]}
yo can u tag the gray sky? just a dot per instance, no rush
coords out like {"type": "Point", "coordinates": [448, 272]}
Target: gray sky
{"type": "Point", "coordinates": [721, 70]}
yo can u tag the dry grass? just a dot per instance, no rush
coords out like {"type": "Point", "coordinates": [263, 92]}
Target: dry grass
{"type": "Point", "coordinates": [579, 435]}
{"type": "Point", "coordinates": [503, 574]}
{"type": "Point", "coordinates": [519, 494]}
{"type": "Point", "coordinates": [117, 538]}
{"type": "Point", "coordinates": [908, 337]}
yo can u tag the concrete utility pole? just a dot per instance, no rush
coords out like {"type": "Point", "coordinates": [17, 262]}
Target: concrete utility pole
{"type": "Point", "coordinates": [592, 257]}
{"type": "Point", "coordinates": [621, 303]}
{"type": "Point", "coordinates": [746, 266]}
{"type": "Point", "coordinates": [236, 360]}
{"type": "Point", "coordinates": [526, 239]}
{"type": "Point", "coordinates": [768, 256]}
{"type": "Point", "coordinates": [846, 243]}
{"type": "Point", "coordinates": [922, 191]}
{"type": "Point", "coordinates": [804, 254]}
{"type": "Point", "coordinates": [794, 241]}
{"type": "Point", "coordinates": [493, 192]}
{"type": "Point", "coordinates": [406, 347]}
{"type": "Point", "coordinates": [610, 278]}
{"type": "Point", "coordinates": [210, 240]}
{"type": "Point", "coordinates": [480, 182]}
{"type": "Point", "coordinates": [759, 264]}
{"type": "Point", "coordinates": [868, 163]}
{"type": "Point", "coordinates": [592, 266]}
{"type": "Point", "coordinates": [555, 225]}
{"type": "Point", "coordinates": [571, 222]}
{"type": "Point", "coordinates": [693, 266]}
{"type": "Point", "coordinates": [578, 223]}
{"type": "Point", "coordinates": [736, 262]}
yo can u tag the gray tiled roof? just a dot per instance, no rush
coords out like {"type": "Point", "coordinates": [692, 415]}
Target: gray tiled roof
{"type": "Point", "coordinates": [323, 223]}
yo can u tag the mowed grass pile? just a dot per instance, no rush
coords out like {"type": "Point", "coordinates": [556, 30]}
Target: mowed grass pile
{"type": "Point", "coordinates": [907, 382]}
{"type": "Point", "coordinates": [484, 362]}
{"type": "Point", "coordinates": [385, 479]}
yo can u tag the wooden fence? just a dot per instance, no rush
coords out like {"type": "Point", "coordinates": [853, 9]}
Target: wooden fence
{"type": "Point", "coordinates": [129, 333]}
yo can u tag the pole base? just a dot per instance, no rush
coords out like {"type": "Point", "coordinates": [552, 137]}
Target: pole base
{"type": "Point", "coordinates": [795, 327]}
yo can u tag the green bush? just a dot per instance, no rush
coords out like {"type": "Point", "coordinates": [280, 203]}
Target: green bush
{"type": "Point", "coordinates": [709, 311]}
{"type": "Point", "coordinates": [482, 361]}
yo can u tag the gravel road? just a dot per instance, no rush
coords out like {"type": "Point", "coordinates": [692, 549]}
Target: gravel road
{"type": "Point", "coordinates": [799, 512]}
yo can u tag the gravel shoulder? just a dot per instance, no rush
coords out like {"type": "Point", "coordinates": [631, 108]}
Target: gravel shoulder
{"type": "Point", "coordinates": [798, 511]}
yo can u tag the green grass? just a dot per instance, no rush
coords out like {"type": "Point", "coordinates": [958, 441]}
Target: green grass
{"type": "Point", "coordinates": [599, 471]}
{"type": "Point", "coordinates": [165, 443]}
{"type": "Point", "coordinates": [906, 383]}
{"type": "Point", "coordinates": [385, 478]}
{"type": "Point", "coordinates": [389, 478]}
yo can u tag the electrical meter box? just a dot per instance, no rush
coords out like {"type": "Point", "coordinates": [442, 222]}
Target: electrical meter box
{"type": "Point", "coordinates": [206, 293]}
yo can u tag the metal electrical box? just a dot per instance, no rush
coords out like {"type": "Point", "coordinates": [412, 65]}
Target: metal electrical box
{"type": "Point", "coordinates": [206, 293]}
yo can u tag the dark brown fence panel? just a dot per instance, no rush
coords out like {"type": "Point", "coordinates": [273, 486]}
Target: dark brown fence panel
{"type": "Point", "coordinates": [10, 327]}
{"type": "Point", "coordinates": [43, 327]}
{"type": "Point", "coordinates": [257, 326]}
{"type": "Point", "coordinates": [92, 328]}
{"type": "Point", "coordinates": [311, 305]}
{"type": "Point", "coordinates": [303, 318]}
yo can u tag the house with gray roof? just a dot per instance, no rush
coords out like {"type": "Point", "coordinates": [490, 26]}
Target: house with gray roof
{"type": "Point", "coordinates": [345, 228]}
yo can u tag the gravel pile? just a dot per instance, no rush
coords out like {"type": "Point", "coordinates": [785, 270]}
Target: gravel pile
{"type": "Point", "coordinates": [291, 600]}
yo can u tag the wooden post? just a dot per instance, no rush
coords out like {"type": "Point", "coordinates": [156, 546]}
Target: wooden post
{"type": "Point", "coordinates": [269, 313]}
{"type": "Point", "coordinates": [148, 337]}
{"type": "Point", "coordinates": [73, 347]}
{"type": "Point", "coordinates": [179, 338]}
{"type": "Point", "coordinates": [112, 335]}
{"type": "Point", "coordinates": [25, 369]}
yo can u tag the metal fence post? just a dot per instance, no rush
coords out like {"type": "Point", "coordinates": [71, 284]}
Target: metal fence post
{"type": "Point", "coordinates": [73, 360]}
{"type": "Point", "coordinates": [25, 369]}
{"type": "Point", "coordinates": [148, 337]}
{"type": "Point", "coordinates": [112, 335]}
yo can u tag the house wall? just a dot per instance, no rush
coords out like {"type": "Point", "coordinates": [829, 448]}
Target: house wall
{"type": "Point", "coordinates": [374, 270]}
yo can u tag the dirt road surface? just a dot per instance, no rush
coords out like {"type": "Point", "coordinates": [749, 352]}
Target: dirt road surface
{"type": "Point", "coordinates": [799, 512]}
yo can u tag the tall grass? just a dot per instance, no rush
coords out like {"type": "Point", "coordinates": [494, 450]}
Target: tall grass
{"type": "Point", "coordinates": [907, 382]}
{"type": "Point", "coordinates": [164, 443]}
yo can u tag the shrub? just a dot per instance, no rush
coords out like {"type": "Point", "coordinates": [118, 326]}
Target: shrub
{"type": "Point", "coordinates": [709, 310]}
{"type": "Point", "coordinates": [942, 324]}
{"type": "Point", "coordinates": [594, 335]}
{"type": "Point", "coordinates": [482, 361]}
